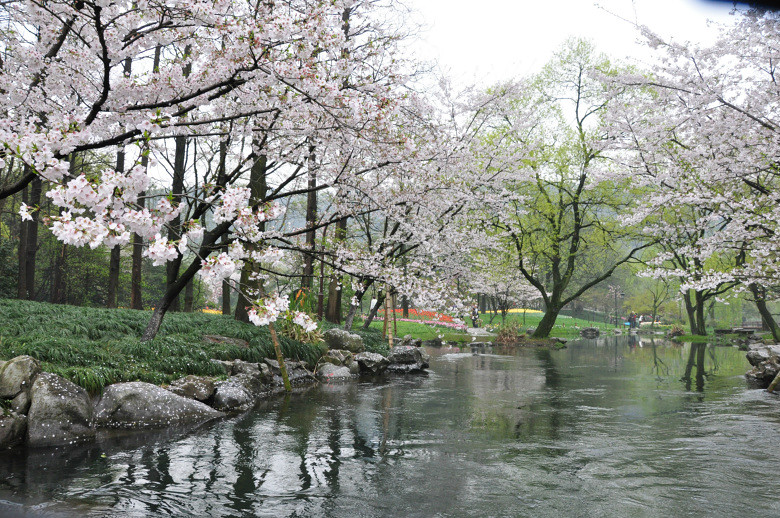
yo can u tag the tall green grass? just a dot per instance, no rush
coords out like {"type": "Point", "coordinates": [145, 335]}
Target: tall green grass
{"type": "Point", "coordinates": [96, 347]}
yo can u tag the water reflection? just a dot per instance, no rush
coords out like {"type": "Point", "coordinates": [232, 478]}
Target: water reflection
{"type": "Point", "coordinates": [603, 428]}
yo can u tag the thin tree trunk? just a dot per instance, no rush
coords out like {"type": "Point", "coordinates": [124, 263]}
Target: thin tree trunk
{"type": "Point", "coordinates": [21, 291]}
{"type": "Point", "coordinates": [280, 358]}
{"type": "Point", "coordinates": [136, 299]}
{"type": "Point", "coordinates": [354, 307]}
{"type": "Point", "coordinates": [189, 296]}
{"type": "Point", "coordinates": [31, 250]}
{"type": "Point", "coordinates": [333, 313]}
{"type": "Point", "coordinates": [311, 220]}
{"type": "Point", "coordinates": [58, 282]}
{"type": "Point", "coordinates": [372, 314]}
{"type": "Point", "coordinates": [258, 188]}
{"type": "Point", "coordinates": [768, 321]}
{"type": "Point", "coordinates": [171, 292]}
{"type": "Point", "coordinates": [113, 276]}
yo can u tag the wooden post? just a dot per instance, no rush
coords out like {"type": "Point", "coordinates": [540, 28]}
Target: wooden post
{"type": "Point", "coordinates": [280, 358]}
{"type": "Point", "coordinates": [395, 324]}
{"type": "Point", "coordinates": [389, 330]}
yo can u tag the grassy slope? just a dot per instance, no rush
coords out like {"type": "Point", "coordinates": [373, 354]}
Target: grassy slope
{"type": "Point", "coordinates": [96, 347]}
{"type": "Point", "coordinates": [564, 327]}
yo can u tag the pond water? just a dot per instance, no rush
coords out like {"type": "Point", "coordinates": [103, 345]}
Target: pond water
{"type": "Point", "coordinates": [612, 427]}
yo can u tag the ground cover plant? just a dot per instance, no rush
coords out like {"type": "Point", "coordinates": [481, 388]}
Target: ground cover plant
{"type": "Point", "coordinates": [96, 347]}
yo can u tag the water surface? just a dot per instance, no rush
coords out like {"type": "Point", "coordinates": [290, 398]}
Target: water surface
{"type": "Point", "coordinates": [615, 427]}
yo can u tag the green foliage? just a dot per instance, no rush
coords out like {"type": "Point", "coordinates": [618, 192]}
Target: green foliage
{"type": "Point", "coordinates": [96, 347]}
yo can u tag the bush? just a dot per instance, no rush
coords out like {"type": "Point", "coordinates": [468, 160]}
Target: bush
{"type": "Point", "coordinates": [509, 333]}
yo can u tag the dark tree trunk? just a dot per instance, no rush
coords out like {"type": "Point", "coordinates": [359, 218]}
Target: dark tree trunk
{"type": "Point", "coordinates": [333, 313]}
{"type": "Point", "coordinates": [31, 249]}
{"type": "Point", "coordinates": [258, 190]}
{"type": "Point", "coordinates": [177, 190]}
{"type": "Point", "coordinates": [767, 320]}
{"type": "Point", "coordinates": [58, 281]}
{"type": "Point", "coordinates": [173, 291]}
{"type": "Point", "coordinates": [353, 308]}
{"type": "Point", "coordinates": [405, 306]}
{"type": "Point", "coordinates": [113, 276]}
{"type": "Point", "coordinates": [547, 322]}
{"type": "Point", "coordinates": [136, 300]}
{"type": "Point", "coordinates": [113, 268]}
{"type": "Point", "coordinates": [21, 291]}
{"type": "Point", "coordinates": [189, 296]}
{"type": "Point", "coordinates": [135, 276]}
{"type": "Point", "coordinates": [372, 314]}
{"type": "Point", "coordinates": [311, 220]}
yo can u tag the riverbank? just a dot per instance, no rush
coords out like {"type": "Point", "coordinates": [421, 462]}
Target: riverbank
{"type": "Point", "coordinates": [68, 373]}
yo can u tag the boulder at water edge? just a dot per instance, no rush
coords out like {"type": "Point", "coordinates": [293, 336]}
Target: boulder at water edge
{"type": "Point", "coordinates": [296, 371]}
{"type": "Point", "coordinates": [12, 429]}
{"type": "Point", "coordinates": [340, 339]}
{"type": "Point", "coordinates": [371, 363]}
{"type": "Point", "coordinates": [407, 359]}
{"type": "Point", "coordinates": [60, 412]}
{"type": "Point", "coordinates": [18, 374]}
{"type": "Point", "coordinates": [765, 360]}
{"type": "Point", "coordinates": [143, 405]}
{"type": "Point", "coordinates": [330, 372]}
{"type": "Point", "coordinates": [199, 388]}
{"type": "Point", "coordinates": [232, 396]}
{"type": "Point", "coordinates": [590, 332]}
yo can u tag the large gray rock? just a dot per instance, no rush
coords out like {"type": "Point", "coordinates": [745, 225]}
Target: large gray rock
{"type": "Point", "coordinates": [407, 354]}
{"type": "Point", "coordinates": [371, 363]}
{"type": "Point", "coordinates": [21, 403]}
{"type": "Point", "coordinates": [338, 357]}
{"type": "Point", "coordinates": [330, 372]}
{"type": "Point", "coordinates": [232, 396]}
{"type": "Point", "coordinates": [242, 367]}
{"type": "Point", "coordinates": [199, 388]}
{"type": "Point", "coordinates": [18, 374]}
{"type": "Point", "coordinates": [761, 353]}
{"type": "Point", "coordinates": [143, 405]}
{"type": "Point", "coordinates": [590, 332]}
{"type": "Point", "coordinates": [407, 359]}
{"type": "Point", "coordinates": [60, 412]}
{"type": "Point", "coordinates": [12, 430]}
{"type": "Point", "coordinates": [340, 339]}
{"type": "Point", "coordinates": [296, 372]}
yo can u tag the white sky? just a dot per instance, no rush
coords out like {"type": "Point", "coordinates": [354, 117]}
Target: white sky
{"type": "Point", "coordinates": [487, 40]}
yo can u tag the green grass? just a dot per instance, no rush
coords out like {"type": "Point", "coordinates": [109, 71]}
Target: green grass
{"type": "Point", "coordinates": [96, 347]}
{"type": "Point", "coordinates": [421, 331]}
{"type": "Point", "coordinates": [721, 338]}
{"type": "Point", "coordinates": [565, 327]}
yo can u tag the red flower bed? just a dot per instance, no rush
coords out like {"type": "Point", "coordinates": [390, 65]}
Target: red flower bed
{"type": "Point", "coordinates": [423, 315]}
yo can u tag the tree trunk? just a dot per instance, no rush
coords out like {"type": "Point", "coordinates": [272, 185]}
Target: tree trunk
{"type": "Point", "coordinates": [547, 322]}
{"type": "Point", "coordinates": [768, 321]}
{"type": "Point", "coordinates": [58, 281]}
{"type": "Point", "coordinates": [177, 190]}
{"type": "Point", "coordinates": [353, 307]}
{"type": "Point", "coordinates": [31, 250]}
{"type": "Point", "coordinates": [136, 300]}
{"type": "Point", "coordinates": [258, 188]}
{"type": "Point", "coordinates": [311, 220]}
{"type": "Point", "coordinates": [372, 314]}
{"type": "Point", "coordinates": [701, 329]}
{"type": "Point", "coordinates": [21, 291]}
{"type": "Point", "coordinates": [333, 313]}
{"type": "Point", "coordinates": [113, 276]}
{"type": "Point", "coordinates": [189, 296]}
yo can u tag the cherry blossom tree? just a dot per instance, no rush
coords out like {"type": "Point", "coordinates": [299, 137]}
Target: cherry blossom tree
{"type": "Point", "coordinates": [700, 136]}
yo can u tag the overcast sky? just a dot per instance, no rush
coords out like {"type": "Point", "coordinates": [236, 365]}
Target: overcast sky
{"type": "Point", "coordinates": [487, 40]}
